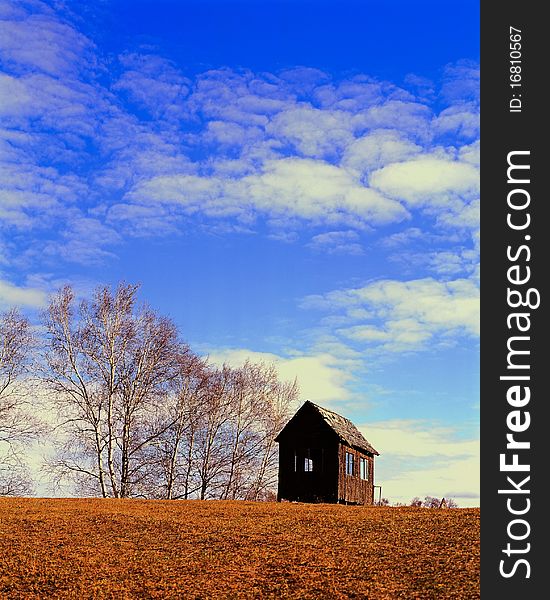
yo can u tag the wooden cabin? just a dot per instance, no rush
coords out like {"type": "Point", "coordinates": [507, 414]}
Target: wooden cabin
{"type": "Point", "coordinates": [323, 457]}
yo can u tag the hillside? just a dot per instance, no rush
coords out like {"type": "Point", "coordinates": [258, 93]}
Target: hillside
{"type": "Point", "coordinates": [91, 548]}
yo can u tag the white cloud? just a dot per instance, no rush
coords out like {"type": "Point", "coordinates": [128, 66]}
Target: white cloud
{"type": "Point", "coordinates": [228, 147]}
{"type": "Point", "coordinates": [313, 132]}
{"type": "Point", "coordinates": [222, 133]}
{"type": "Point", "coordinates": [461, 83]}
{"type": "Point", "coordinates": [411, 118]}
{"type": "Point", "coordinates": [322, 377]}
{"type": "Point", "coordinates": [143, 221]}
{"type": "Point", "coordinates": [419, 439]}
{"type": "Point", "coordinates": [403, 238]}
{"type": "Point", "coordinates": [337, 242]}
{"type": "Point", "coordinates": [463, 216]}
{"type": "Point", "coordinates": [453, 263]}
{"type": "Point", "coordinates": [12, 295]}
{"type": "Point", "coordinates": [459, 120]}
{"type": "Point", "coordinates": [15, 99]}
{"type": "Point", "coordinates": [83, 242]}
{"type": "Point", "coordinates": [419, 458]}
{"type": "Point", "coordinates": [378, 149]}
{"type": "Point", "coordinates": [406, 315]}
{"type": "Point", "coordinates": [311, 190]}
{"type": "Point", "coordinates": [153, 83]}
{"type": "Point", "coordinates": [243, 98]}
{"type": "Point", "coordinates": [470, 153]}
{"type": "Point", "coordinates": [358, 93]}
{"type": "Point", "coordinates": [41, 41]}
{"type": "Point", "coordinates": [427, 180]}
{"type": "Point", "coordinates": [320, 191]}
{"type": "Point", "coordinates": [303, 79]}
{"type": "Point", "coordinates": [423, 87]}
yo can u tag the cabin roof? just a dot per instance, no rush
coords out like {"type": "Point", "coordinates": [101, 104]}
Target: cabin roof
{"type": "Point", "coordinates": [346, 431]}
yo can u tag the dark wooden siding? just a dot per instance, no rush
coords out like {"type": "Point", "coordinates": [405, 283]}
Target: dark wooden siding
{"type": "Point", "coordinates": [351, 488]}
{"type": "Point", "coordinates": [319, 485]}
{"type": "Point", "coordinates": [308, 436]}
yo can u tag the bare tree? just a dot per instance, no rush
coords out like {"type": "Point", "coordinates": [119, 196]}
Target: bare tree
{"type": "Point", "coordinates": [451, 503]}
{"type": "Point", "coordinates": [212, 442]}
{"type": "Point", "coordinates": [431, 502]}
{"type": "Point", "coordinates": [109, 363]}
{"type": "Point", "coordinates": [223, 423]}
{"type": "Point", "coordinates": [15, 480]}
{"type": "Point", "coordinates": [18, 426]}
{"type": "Point", "coordinates": [183, 409]}
{"type": "Point", "coordinates": [82, 401]}
{"type": "Point", "coordinates": [142, 415]}
{"type": "Point", "coordinates": [243, 437]}
{"type": "Point", "coordinates": [276, 400]}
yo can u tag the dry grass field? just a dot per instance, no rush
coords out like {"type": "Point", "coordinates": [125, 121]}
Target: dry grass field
{"type": "Point", "coordinates": [89, 548]}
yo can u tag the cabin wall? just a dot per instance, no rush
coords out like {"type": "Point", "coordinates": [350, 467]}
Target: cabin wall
{"type": "Point", "coordinates": [318, 485]}
{"type": "Point", "coordinates": [308, 436]}
{"type": "Point", "coordinates": [351, 488]}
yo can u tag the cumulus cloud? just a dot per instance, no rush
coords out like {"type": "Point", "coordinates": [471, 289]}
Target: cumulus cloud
{"type": "Point", "coordinates": [423, 87]}
{"type": "Point", "coordinates": [470, 153]}
{"type": "Point", "coordinates": [461, 121]}
{"type": "Point", "coordinates": [461, 216]}
{"type": "Point", "coordinates": [421, 439]}
{"type": "Point", "coordinates": [153, 83]}
{"type": "Point", "coordinates": [461, 83]}
{"type": "Point", "coordinates": [377, 149]}
{"type": "Point", "coordinates": [402, 238]}
{"type": "Point", "coordinates": [358, 93]}
{"type": "Point", "coordinates": [412, 118]}
{"type": "Point", "coordinates": [13, 295]}
{"type": "Point", "coordinates": [453, 263]}
{"type": "Point", "coordinates": [224, 134]}
{"type": "Point", "coordinates": [337, 242]}
{"type": "Point", "coordinates": [426, 181]}
{"type": "Point", "coordinates": [303, 80]}
{"type": "Point", "coordinates": [40, 41]}
{"type": "Point", "coordinates": [314, 191]}
{"type": "Point", "coordinates": [405, 316]}
{"type": "Point", "coordinates": [313, 132]}
{"type": "Point", "coordinates": [145, 144]}
{"type": "Point", "coordinates": [421, 458]}
{"type": "Point", "coordinates": [322, 377]}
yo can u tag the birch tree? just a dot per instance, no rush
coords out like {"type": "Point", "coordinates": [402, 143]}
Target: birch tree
{"type": "Point", "coordinates": [108, 365]}
{"type": "Point", "coordinates": [242, 437]}
{"type": "Point", "coordinates": [18, 426]}
{"type": "Point", "coordinates": [277, 401]}
{"type": "Point", "coordinates": [211, 440]}
{"type": "Point", "coordinates": [184, 411]}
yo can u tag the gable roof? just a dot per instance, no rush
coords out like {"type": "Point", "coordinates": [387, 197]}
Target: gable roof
{"type": "Point", "coordinates": [346, 431]}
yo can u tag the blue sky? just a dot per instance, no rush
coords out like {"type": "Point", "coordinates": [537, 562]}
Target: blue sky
{"type": "Point", "coordinates": [290, 181]}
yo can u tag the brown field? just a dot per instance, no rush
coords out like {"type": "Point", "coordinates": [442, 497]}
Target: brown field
{"type": "Point", "coordinates": [89, 548]}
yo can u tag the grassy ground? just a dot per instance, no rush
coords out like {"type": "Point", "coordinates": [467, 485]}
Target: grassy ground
{"type": "Point", "coordinates": [90, 548]}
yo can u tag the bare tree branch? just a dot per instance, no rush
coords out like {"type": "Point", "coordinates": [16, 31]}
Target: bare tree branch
{"type": "Point", "coordinates": [18, 426]}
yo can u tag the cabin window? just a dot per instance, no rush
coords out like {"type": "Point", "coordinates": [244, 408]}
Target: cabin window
{"type": "Point", "coordinates": [303, 462]}
{"type": "Point", "coordinates": [364, 468]}
{"type": "Point", "coordinates": [349, 463]}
